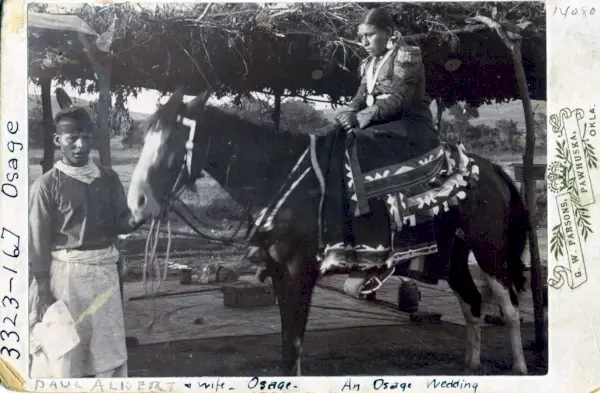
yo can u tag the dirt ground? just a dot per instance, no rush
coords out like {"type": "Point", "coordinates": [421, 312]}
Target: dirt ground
{"type": "Point", "coordinates": [390, 350]}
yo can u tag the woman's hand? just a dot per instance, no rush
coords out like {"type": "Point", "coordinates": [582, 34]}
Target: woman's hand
{"type": "Point", "coordinates": [347, 120]}
{"type": "Point", "coordinates": [365, 116]}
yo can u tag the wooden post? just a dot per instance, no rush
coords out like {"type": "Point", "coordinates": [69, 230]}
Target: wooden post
{"type": "Point", "coordinates": [277, 108]}
{"type": "Point", "coordinates": [102, 115]}
{"type": "Point", "coordinates": [102, 69]}
{"type": "Point", "coordinates": [529, 183]}
{"type": "Point", "coordinates": [514, 45]}
{"type": "Point", "coordinates": [49, 127]}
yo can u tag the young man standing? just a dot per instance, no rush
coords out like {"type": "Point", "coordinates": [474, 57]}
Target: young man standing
{"type": "Point", "coordinates": [76, 211]}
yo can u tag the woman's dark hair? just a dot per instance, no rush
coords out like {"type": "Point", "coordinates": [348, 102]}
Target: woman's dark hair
{"type": "Point", "coordinates": [379, 18]}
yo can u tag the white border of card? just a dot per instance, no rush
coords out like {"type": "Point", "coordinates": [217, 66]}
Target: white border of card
{"type": "Point", "coordinates": [574, 310]}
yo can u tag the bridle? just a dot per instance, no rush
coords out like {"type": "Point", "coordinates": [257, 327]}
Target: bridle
{"type": "Point", "coordinates": [186, 166]}
{"type": "Point", "coordinates": [184, 176]}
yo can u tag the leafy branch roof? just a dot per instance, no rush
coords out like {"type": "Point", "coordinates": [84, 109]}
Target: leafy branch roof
{"type": "Point", "coordinates": [304, 48]}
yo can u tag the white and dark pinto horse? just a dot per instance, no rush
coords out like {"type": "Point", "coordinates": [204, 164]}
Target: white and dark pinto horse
{"type": "Point", "coordinates": [252, 161]}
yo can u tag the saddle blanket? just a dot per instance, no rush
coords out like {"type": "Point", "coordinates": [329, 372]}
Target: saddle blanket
{"type": "Point", "coordinates": [415, 190]}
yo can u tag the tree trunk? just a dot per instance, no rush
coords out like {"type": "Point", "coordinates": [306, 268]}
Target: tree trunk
{"type": "Point", "coordinates": [102, 68]}
{"type": "Point", "coordinates": [49, 127]}
{"type": "Point", "coordinates": [536, 285]}
{"type": "Point", "coordinates": [277, 108]}
{"type": "Point", "coordinates": [102, 113]}
{"type": "Point", "coordinates": [514, 45]}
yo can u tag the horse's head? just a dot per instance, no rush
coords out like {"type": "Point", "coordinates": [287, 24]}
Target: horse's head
{"type": "Point", "coordinates": [165, 162]}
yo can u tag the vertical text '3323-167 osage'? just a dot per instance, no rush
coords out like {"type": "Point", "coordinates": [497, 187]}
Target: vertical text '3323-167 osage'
{"type": "Point", "coordinates": [10, 247]}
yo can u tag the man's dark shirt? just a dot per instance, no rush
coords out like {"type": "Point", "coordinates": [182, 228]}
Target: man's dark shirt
{"type": "Point", "coordinates": [65, 213]}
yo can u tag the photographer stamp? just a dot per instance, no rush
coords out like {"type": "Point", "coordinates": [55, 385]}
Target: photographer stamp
{"type": "Point", "coordinates": [570, 180]}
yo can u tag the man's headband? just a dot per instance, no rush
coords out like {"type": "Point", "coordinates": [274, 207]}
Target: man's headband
{"type": "Point", "coordinates": [70, 126]}
{"type": "Point", "coordinates": [73, 119]}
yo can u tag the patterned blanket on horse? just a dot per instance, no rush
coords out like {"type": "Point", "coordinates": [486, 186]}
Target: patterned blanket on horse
{"type": "Point", "coordinates": [414, 190]}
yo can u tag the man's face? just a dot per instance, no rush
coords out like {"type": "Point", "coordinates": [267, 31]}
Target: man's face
{"type": "Point", "coordinates": [74, 141]}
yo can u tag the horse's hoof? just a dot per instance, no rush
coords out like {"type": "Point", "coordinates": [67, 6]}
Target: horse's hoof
{"type": "Point", "coordinates": [354, 283]}
{"type": "Point", "coordinates": [473, 367]}
{"type": "Point", "coordinates": [262, 275]}
{"type": "Point", "coordinates": [520, 369]}
{"type": "Point", "coordinates": [132, 342]}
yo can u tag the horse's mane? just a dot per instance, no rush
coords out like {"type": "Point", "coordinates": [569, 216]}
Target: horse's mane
{"type": "Point", "coordinates": [233, 118]}
{"type": "Point", "coordinates": [230, 119]}
{"type": "Point", "coordinates": [149, 122]}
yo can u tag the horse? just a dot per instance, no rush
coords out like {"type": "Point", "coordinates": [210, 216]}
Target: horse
{"type": "Point", "coordinates": [251, 160]}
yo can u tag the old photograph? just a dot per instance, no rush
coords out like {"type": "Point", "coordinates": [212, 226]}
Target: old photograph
{"type": "Point", "coordinates": [290, 189]}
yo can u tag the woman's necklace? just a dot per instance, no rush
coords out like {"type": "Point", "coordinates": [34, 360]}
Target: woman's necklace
{"type": "Point", "coordinates": [372, 74]}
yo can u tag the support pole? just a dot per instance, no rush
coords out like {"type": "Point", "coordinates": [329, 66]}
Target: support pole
{"type": "Point", "coordinates": [513, 43]}
{"type": "Point", "coordinates": [529, 183]}
{"type": "Point", "coordinates": [102, 68]}
{"type": "Point", "coordinates": [48, 125]}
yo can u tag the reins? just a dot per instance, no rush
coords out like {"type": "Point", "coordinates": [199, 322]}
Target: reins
{"type": "Point", "coordinates": [151, 259]}
{"type": "Point", "coordinates": [211, 238]}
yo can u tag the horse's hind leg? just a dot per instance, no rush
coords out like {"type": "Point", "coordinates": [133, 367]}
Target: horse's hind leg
{"type": "Point", "coordinates": [510, 310]}
{"type": "Point", "coordinates": [461, 282]}
{"type": "Point", "coordinates": [491, 259]}
{"type": "Point", "coordinates": [493, 223]}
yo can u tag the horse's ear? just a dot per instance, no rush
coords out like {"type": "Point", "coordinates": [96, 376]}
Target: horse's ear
{"type": "Point", "coordinates": [195, 105]}
{"type": "Point", "coordinates": [177, 97]}
{"type": "Point", "coordinates": [171, 108]}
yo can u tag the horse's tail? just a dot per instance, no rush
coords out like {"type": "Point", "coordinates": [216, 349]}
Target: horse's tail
{"type": "Point", "coordinates": [518, 230]}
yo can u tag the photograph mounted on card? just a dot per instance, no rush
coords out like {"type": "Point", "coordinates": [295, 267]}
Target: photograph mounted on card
{"type": "Point", "coordinates": [246, 197]}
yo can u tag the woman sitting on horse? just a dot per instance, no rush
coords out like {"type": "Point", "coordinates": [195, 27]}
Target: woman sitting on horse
{"type": "Point", "coordinates": [389, 120]}
{"type": "Point", "coordinates": [392, 87]}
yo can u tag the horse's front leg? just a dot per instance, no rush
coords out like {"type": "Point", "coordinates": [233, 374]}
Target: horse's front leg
{"type": "Point", "coordinates": [293, 283]}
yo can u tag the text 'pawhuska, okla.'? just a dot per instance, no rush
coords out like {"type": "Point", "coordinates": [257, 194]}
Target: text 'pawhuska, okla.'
{"type": "Point", "coordinates": [570, 180]}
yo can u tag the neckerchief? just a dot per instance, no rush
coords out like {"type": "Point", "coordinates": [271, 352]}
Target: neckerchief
{"type": "Point", "coordinates": [86, 173]}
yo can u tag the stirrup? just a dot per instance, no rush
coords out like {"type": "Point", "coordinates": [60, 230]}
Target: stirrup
{"type": "Point", "coordinates": [377, 281]}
